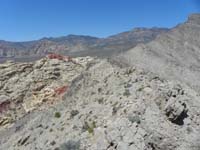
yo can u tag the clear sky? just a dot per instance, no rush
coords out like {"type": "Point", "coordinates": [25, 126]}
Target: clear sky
{"type": "Point", "coordinates": [23, 20]}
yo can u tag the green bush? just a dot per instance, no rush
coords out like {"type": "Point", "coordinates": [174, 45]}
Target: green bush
{"type": "Point", "coordinates": [89, 127]}
{"type": "Point", "coordinates": [70, 145]}
{"type": "Point", "coordinates": [57, 115]}
{"type": "Point", "coordinates": [133, 119]}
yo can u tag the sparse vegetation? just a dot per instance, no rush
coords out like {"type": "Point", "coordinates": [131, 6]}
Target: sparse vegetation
{"type": "Point", "coordinates": [51, 130]}
{"type": "Point", "coordinates": [127, 93]}
{"type": "Point", "coordinates": [99, 90]}
{"type": "Point", "coordinates": [57, 115]}
{"type": "Point", "coordinates": [100, 100]}
{"type": "Point", "coordinates": [140, 89]}
{"type": "Point", "coordinates": [89, 127]}
{"type": "Point", "coordinates": [133, 119]}
{"type": "Point", "coordinates": [70, 145]}
{"type": "Point", "coordinates": [129, 71]}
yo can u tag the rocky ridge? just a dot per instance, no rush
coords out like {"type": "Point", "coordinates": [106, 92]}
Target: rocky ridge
{"type": "Point", "coordinates": [174, 55]}
{"type": "Point", "coordinates": [25, 86]}
{"type": "Point", "coordinates": [107, 105]}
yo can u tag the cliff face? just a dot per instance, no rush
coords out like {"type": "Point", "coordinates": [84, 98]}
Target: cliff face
{"type": "Point", "coordinates": [173, 55]}
{"type": "Point", "coordinates": [79, 45]}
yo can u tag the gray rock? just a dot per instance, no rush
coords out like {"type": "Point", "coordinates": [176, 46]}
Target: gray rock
{"type": "Point", "coordinates": [4, 98]}
{"type": "Point", "coordinates": [176, 111]}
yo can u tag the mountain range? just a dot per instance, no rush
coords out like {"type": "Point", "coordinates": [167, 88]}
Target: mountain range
{"type": "Point", "coordinates": [78, 45]}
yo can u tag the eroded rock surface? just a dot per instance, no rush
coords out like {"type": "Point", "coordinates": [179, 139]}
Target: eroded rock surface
{"type": "Point", "coordinates": [107, 107]}
{"type": "Point", "coordinates": [26, 86]}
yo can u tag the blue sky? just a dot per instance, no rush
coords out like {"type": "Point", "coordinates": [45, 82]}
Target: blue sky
{"type": "Point", "coordinates": [23, 20]}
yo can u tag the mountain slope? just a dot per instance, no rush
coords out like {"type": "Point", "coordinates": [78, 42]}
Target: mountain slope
{"type": "Point", "coordinates": [124, 41]}
{"type": "Point", "coordinates": [174, 55]}
{"type": "Point", "coordinates": [45, 45]}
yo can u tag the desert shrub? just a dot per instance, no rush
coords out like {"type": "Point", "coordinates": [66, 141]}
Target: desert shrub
{"type": "Point", "coordinates": [57, 114]}
{"type": "Point", "coordinates": [89, 127]}
{"type": "Point", "coordinates": [126, 93]}
{"type": "Point", "coordinates": [70, 145]}
{"type": "Point", "coordinates": [100, 100]}
{"type": "Point", "coordinates": [140, 89]}
{"type": "Point", "coordinates": [129, 71]}
{"type": "Point", "coordinates": [134, 119]}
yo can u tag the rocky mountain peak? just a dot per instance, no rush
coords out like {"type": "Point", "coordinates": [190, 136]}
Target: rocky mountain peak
{"type": "Point", "coordinates": [194, 18]}
{"type": "Point", "coordinates": [174, 55]}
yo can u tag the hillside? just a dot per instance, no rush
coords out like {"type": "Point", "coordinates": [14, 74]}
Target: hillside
{"type": "Point", "coordinates": [173, 55]}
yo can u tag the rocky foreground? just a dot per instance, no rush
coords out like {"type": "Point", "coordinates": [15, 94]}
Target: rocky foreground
{"type": "Point", "coordinates": [62, 103]}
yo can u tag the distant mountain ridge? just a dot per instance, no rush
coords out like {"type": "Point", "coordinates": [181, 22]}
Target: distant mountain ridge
{"type": "Point", "coordinates": [79, 45]}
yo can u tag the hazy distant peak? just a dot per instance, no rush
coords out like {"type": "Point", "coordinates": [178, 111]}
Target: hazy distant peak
{"type": "Point", "coordinates": [147, 29]}
{"type": "Point", "coordinates": [75, 36]}
{"type": "Point", "coordinates": [70, 36]}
